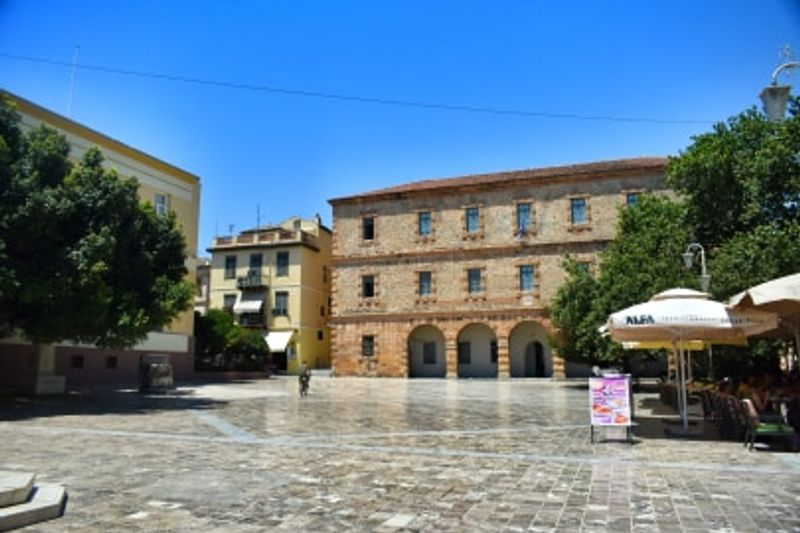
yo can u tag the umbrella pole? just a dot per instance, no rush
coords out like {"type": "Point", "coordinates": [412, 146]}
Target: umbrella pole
{"type": "Point", "coordinates": [683, 397]}
{"type": "Point", "coordinates": [678, 379]}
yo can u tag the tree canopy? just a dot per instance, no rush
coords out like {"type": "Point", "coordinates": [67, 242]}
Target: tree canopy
{"type": "Point", "coordinates": [221, 344]}
{"type": "Point", "coordinates": [82, 258]}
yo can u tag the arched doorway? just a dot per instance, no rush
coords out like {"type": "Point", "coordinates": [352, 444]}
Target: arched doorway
{"type": "Point", "coordinates": [534, 360]}
{"type": "Point", "coordinates": [426, 357]}
{"type": "Point", "coordinates": [477, 352]}
{"type": "Point", "coordinates": [529, 351]}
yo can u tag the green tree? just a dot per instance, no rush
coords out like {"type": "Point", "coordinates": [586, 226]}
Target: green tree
{"type": "Point", "coordinates": [212, 334]}
{"type": "Point", "coordinates": [572, 313]}
{"type": "Point", "coordinates": [742, 175]}
{"type": "Point", "coordinates": [747, 259]}
{"type": "Point", "coordinates": [220, 343]}
{"type": "Point", "coordinates": [247, 350]}
{"type": "Point", "coordinates": [643, 259]}
{"type": "Point", "coordinates": [84, 259]}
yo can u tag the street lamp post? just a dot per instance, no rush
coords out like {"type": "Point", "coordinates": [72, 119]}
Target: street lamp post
{"type": "Point", "coordinates": [776, 97]}
{"type": "Point", "coordinates": [688, 260]}
{"type": "Point", "coordinates": [705, 280]}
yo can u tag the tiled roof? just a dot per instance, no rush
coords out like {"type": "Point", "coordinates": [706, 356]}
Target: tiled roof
{"type": "Point", "coordinates": [639, 164]}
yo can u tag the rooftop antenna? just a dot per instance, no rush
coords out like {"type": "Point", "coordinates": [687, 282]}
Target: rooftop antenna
{"type": "Point", "coordinates": [72, 79]}
{"type": "Point", "coordinates": [230, 229]}
{"type": "Point", "coordinates": [258, 216]}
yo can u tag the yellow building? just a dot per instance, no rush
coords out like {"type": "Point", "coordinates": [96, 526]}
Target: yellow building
{"type": "Point", "coordinates": [277, 280]}
{"type": "Point", "coordinates": [168, 188]}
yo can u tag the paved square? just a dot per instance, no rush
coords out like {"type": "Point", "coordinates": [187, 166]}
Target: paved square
{"type": "Point", "coordinates": [384, 455]}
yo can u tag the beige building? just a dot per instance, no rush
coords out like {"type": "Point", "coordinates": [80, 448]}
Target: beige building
{"type": "Point", "coordinates": [168, 188]}
{"type": "Point", "coordinates": [277, 280]}
{"type": "Point", "coordinates": [453, 277]}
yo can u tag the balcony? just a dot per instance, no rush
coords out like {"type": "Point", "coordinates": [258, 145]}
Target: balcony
{"type": "Point", "coordinates": [252, 320]}
{"type": "Point", "coordinates": [253, 280]}
{"type": "Point", "coordinates": [268, 237]}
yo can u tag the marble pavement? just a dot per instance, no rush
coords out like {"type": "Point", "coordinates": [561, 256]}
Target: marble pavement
{"type": "Point", "coordinates": [385, 455]}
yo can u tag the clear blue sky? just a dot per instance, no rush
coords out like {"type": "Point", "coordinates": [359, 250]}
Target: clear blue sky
{"type": "Point", "coordinates": [670, 61]}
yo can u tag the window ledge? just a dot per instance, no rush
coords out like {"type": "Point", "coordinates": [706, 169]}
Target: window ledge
{"type": "Point", "coordinates": [583, 226]}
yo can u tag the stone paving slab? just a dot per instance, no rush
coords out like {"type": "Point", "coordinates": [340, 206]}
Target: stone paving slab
{"type": "Point", "coordinates": [386, 455]}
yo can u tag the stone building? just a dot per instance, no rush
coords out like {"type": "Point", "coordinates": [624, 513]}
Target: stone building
{"type": "Point", "coordinates": [276, 280]}
{"type": "Point", "coordinates": [453, 277]}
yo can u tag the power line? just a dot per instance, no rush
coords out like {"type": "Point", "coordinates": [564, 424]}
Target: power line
{"type": "Point", "coordinates": [348, 98]}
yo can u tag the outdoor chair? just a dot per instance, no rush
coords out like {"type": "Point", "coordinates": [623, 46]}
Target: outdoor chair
{"type": "Point", "coordinates": [756, 428]}
{"type": "Point", "coordinates": [732, 424]}
{"type": "Point", "coordinates": [706, 398]}
{"type": "Point", "coordinates": [717, 407]}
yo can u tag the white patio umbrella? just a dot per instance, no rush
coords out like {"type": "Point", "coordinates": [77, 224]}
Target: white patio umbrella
{"type": "Point", "coordinates": [780, 296]}
{"type": "Point", "coordinates": [680, 316]}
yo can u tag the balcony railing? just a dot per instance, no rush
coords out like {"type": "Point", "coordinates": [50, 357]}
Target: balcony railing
{"type": "Point", "coordinates": [253, 280]}
{"type": "Point", "coordinates": [270, 236]}
{"type": "Point", "coordinates": [252, 320]}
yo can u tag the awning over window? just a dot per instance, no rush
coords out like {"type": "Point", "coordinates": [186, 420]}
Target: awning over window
{"type": "Point", "coordinates": [248, 303]}
{"type": "Point", "coordinates": [278, 340]}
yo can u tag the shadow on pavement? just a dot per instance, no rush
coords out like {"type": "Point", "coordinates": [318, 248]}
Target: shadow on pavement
{"type": "Point", "coordinates": [99, 402]}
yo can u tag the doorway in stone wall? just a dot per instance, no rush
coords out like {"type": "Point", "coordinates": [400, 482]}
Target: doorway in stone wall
{"type": "Point", "coordinates": [534, 360]}
{"type": "Point", "coordinates": [529, 353]}
{"type": "Point", "coordinates": [426, 353]}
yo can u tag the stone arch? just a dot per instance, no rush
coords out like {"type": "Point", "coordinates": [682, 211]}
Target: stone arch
{"type": "Point", "coordinates": [426, 353]}
{"type": "Point", "coordinates": [530, 353]}
{"type": "Point", "coordinates": [477, 352]}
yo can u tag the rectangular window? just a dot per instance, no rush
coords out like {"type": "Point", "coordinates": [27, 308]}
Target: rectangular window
{"type": "Point", "coordinates": [255, 264]}
{"type": "Point", "coordinates": [425, 284]}
{"type": "Point", "coordinates": [367, 286]}
{"type": "Point", "coordinates": [493, 351]}
{"type": "Point", "coordinates": [368, 228]}
{"type": "Point", "coordinates": [321, 310]}
{"type": "Point", "coordinates": [161, 204]}
{"type": "Point", "coordinates": [228, 301]}
{"type": "Point", "coordinates": [368, 345]}
{"type": "Point", "coordinates": [474, 282]}
{"type": "Point", "coordinates": [527, 279]}
{"type": "Point", "coordinates": [578, 210]}
{"type": "Point", "coordinates": [524, 218]}
{"type": "Point", "coordinates": [429, 353]}
{"type": "Point", "coordinates": [632, 198]}
{"type": "Point", "coordinates": [473, 216]}
{"type": "Point", "coordinates": [76, 361]}
{"type": "Point", "coordinates": [324, 274]}
{"type": "Point", "coordinates": [320, 335]}
{"type": "Point", "coordinates": [282, 264]}
{"type": "Point", "coordinates": [230, 266]}
{"type": "Point", "coordinates": [281, 304]}
{"type": "Point", "coordinates": [424, 225]}
{"type": "Point", "coordinates": [111, 362]}
{"type": "Point", "coordinates": [584, 266]}
{"type": "Point", "coordinates": [464, 353]}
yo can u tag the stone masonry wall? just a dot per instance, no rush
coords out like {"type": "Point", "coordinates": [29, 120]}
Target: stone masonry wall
{"type": "Point", "coordinates": [397, 253]}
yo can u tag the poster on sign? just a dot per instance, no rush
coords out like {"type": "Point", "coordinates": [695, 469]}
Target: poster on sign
{"type": "Point", "coordinates": [610, 400]}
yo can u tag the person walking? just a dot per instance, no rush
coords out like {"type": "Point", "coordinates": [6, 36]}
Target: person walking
{"type": "Point", "coordinates": [305, 378]}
